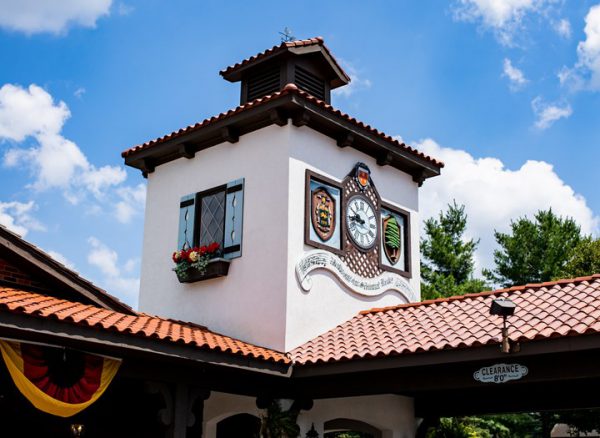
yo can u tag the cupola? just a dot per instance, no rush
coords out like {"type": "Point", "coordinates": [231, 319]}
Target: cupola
{"type": "Point", "coordinates": [306, 63]}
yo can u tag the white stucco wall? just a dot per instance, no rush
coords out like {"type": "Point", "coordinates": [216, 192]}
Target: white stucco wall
{"type": "Point", "coordinates": [260, 301]}
{"type": "Point", "coordinates": [328, 304]}
{"type": "Point", "coordinates": [393, 415]}
{"type": "Point", "coordinates": [220, 406]}
{"type": "Point", "coordinates": [249, 303]}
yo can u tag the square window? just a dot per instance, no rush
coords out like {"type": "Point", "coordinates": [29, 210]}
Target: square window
{"type": "Point", "coordinates": [213, 215]}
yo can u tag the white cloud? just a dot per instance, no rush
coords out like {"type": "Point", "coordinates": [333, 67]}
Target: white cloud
{"type": "Point", "coordinates": [588, 50]}
{"type": "Point", "coordinates": [503, 17]}
{"type": "Point", "coordinates": [493, 194]}
{"type": "Point", "coordinates": [132, 202]}
{"type": "Point", "coordinates": [563, 28]}
{"type": "Point", "coordinates": [357, 81]}
{"type": "Point", "coordinates": [54, 161]}
{"type": "Point", "coordinates": [79, 92]}
{"type": "Point", "coordinates": [16, 216]}
{"type": "Point", "coordinates": [29, 112]}
{"type": "Point", "coordinates": [515, 76]}
{"type": "Point", "coordinates": [107, 261]}
{"type": "Point", "coordinates": [38, 16]}
{"type": "Point", "coordinates": [546, 113]}
{"type": "Point", "coordinates": [585, 74]}
{"type": "Point", "coordinates": [124, 9]}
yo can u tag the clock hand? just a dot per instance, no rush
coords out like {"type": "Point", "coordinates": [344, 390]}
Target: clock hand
{"type": "Point", "coordinates": [357, 218]}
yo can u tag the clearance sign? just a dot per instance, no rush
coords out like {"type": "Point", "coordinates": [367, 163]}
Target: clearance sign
{"type": "Point", "coordinates": [500, 373]}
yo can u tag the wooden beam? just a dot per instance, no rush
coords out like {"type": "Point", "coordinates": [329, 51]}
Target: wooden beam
{"type": "Point", "coordinates": [278, 116]}
{"type": "Point", "coordinates": [187, 150]}
{"type": "Point", "coordinates": [346, 140]}
{"type": "Point", "coordinates": [385, 159]}
{"type": "Point", "coordinates": [230, 134]}
{"type": "Point", "coordinates": [419, 177]}
{"type": "Point", "coordinates": [148, 165]}
{"type": "Point", "coordinates": [301, 119]}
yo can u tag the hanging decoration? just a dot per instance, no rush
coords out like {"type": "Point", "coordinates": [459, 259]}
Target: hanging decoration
{"type": "Point", "coordinates": [58, 381]}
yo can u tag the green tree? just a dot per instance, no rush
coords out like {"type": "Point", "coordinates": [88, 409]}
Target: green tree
{"type": "Point", "coordinates": [447, 262]}
{"type": "Point", "coordinates": [535, 251]}
{"type": "Point", "coordinates": [585, 259]}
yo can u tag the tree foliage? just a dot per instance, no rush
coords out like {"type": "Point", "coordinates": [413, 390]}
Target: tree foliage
{"type": "Point", "coordinates": [585, 259]}
{"type": "Point", "coordinates": [447, 258]}
{"type": "Point", "coordinates": [535, 250]}
{"type": "Point", "coordinates": [277, 423]}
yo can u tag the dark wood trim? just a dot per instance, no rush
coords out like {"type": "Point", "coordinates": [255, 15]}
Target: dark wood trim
{"type": "Point", "coordinates": [230, 134]}
{"type": "Point", "coordinates": [311, 175]}
{"type": "Point", "coordinates": [419, 177]}
{"type": "Point", "coordinates": [278, 117]}
{"type": "Point", "coordinates": [276, 111]}
{"type": "Point", "coordinates": [345, 140]}
{"type": "Point", "coordinates": [148, 164]}
{"type": "Point", "coordinates": [385, 159]}
{"type": "Point", "coordinates": [187, 150]}
{"type": "Point", "coordinates": [301, 119]}
{"type": "Point", "coordinates": [407, 239]}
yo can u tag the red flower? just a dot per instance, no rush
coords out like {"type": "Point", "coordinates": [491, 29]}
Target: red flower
{"type": "Point", "coordinates": [213, 247]}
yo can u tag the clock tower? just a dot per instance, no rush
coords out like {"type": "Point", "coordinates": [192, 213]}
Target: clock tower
{"type": "Point", "coordinates": [291, 215]}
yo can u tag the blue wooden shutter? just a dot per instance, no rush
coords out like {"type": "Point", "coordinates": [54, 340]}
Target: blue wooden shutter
{"type": "Point", "coordinates": [187, 212]}
{"type": "Point", "coordinates": [234, 216]}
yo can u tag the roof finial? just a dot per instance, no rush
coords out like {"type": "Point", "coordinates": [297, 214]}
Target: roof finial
{"type": "Point", "coordinates": [286, 35]}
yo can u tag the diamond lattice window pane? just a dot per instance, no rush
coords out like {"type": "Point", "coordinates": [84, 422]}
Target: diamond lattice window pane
{"type": "Point", "coordinates": [212, 219]}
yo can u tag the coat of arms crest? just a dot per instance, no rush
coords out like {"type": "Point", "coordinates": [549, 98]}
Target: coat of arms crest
{"type": "Point", "coordinates": [392, 240]}
{"type": "Point", "coordinates": [323, 213]}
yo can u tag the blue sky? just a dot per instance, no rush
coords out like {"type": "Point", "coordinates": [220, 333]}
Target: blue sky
{"type": "Point", "coordinates": [506, 92]}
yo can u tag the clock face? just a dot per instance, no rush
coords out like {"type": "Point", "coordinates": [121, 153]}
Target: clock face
{"type": "Point", "coordinates": [361, 222]}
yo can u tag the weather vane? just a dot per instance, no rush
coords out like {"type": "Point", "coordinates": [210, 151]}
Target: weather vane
{"type": "Point", "coordinates": [286, 35]}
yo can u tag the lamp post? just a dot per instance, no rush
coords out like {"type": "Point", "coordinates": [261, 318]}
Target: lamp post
{"type": "Point", "coordinates": [504, 307]}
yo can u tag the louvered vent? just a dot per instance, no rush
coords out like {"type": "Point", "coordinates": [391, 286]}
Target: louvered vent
{"type": "Point", "coordinates": [310, 83]}
{"type": "Point", "coordinates": [263, 83]}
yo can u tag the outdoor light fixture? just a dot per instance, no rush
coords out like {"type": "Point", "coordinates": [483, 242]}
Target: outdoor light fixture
{"type": "Point", "coordinates": [77, 430]}
{"type": "Point", "coordinates": [504, 307]}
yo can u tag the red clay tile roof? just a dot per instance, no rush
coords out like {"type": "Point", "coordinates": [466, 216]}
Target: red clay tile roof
{"type": "Point", "coordinates": [40, 256]}
{"type": "Point", "coordinates": [142, 325]}
{"type": "Point", "coordinates": [288, 89]}
{"type": "Point", "coordinates": [546, 310]}
{"type": "Point", "coordinates": [280, 48]}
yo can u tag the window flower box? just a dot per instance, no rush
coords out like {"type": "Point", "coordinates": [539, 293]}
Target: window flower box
{"type": "Point", "coordinates": [197, 264]}
{"type": "Point", "coordinates": [217, 267]}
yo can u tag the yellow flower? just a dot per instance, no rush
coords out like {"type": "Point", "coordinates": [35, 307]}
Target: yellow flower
{"type": "Point", "coordinates": [193, 256]}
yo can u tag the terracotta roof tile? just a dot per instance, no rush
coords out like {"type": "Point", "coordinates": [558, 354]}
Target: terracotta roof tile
{"type": "Point", "coordinates": [548, 310]}
{"type": "Point", "coordinates": [280, 48]}
{"type": "Point", "coordinates": [288, 89]}
{"type": "Point", "coordinates": [41, 306]}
